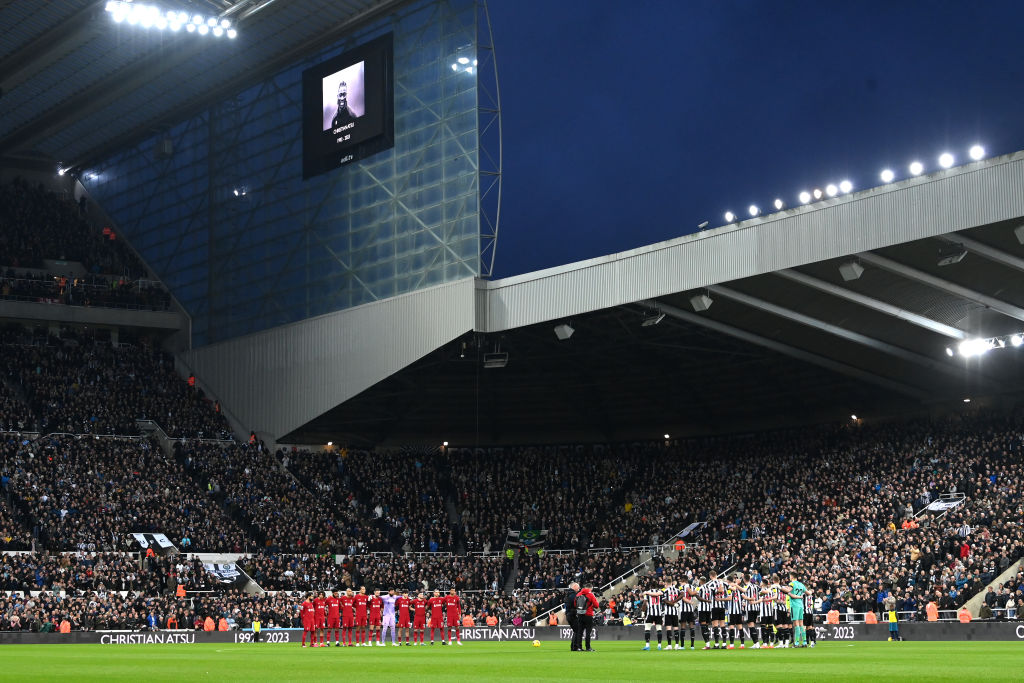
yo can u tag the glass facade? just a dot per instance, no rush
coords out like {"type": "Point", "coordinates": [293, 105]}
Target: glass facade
{"type": "Point", "coordinates": [245, 244]}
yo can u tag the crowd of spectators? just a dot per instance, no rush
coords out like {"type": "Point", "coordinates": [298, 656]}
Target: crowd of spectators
{"type": "Point", "coordinates": [80, 383]}
{"type": "Point", "coordinates": [253, 484]}
{"type": "Point", "coordinates": [279, 572]}
{"type": "Point", "coordinates": [15, 415]}
{"type": "Point", "coordinates": [38, 225]}
{"type": "Point", "coordinates": [87, 290]}
{"type": "Point", "coordinates": [433, 572]}
{"type": "Point", "coordinates": [90, 493]}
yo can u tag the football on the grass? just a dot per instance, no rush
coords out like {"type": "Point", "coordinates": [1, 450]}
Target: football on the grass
{"type": "Point", "coordinates": [536, 643]}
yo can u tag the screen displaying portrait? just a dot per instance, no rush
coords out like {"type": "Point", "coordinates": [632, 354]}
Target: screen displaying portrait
{"type": "Point", "coordinates": [348, 107]}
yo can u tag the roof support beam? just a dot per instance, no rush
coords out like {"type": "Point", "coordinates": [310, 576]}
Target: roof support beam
{"type": "Point", "coordinates": [841, 332]}
{"type": "Point", "coordinates": [873, 304]}
{"type": "Point", "coordinates": [787, 350]}
{"type": "Point", "coordinates": [985, 251]}
{"type": "Point", "coordinates": [924, 278]}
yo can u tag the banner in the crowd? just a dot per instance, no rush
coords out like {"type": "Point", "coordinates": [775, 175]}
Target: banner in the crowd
{"type": "Point", "coordinates": [942, 505]}
{"type": "Point", "coordinates": [160, 544]}
{"type": "Point", "coordinates": [527, 538]}
{"type": "Point", "coordinates": [229, 574]}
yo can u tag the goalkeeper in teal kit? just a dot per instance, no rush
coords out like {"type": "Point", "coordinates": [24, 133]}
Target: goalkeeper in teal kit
{"type": "Point", "coordinates": [796, 591]}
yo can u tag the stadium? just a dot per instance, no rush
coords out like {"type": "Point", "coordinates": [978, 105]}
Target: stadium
{"type": "Point", "coordinates": [262, 384]}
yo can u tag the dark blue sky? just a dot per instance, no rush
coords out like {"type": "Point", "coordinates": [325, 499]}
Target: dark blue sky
{"type": "Point", "coordinates": [627, 123]}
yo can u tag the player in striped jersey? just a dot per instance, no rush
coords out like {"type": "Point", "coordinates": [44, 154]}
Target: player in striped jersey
{"type": "Point", "coordinates": [751, 598]}
{"type": "Point", "coordinates": [735, 609]}
{"type": "Point", "coordinates": [766, 622]}
{"type": "Point", "coordinates": [783, 622]}
{"type": "Point", "coordinates": [670, 596]}
{"type": "Point", "coordinates": [655, 609]}
{"type": "Point", "coordinates": [703, 612]}
{"type": "Point", "coordinates": [687, 602]}
{"type": "Point", "coordinates": [714, 593]}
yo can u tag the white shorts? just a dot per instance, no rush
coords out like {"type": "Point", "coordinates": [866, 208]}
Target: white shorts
{"type": "Point", "coordinates": [388, 621]}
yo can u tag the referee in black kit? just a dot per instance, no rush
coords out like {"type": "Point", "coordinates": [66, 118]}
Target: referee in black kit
{"type": "Point", "coordinates": [572, 617]}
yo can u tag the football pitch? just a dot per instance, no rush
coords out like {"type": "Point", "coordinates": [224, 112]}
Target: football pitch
{"type": "Point", "coordinates": [612, 661]}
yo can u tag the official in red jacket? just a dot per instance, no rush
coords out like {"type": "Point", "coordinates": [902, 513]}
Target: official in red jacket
{"type": "Point", "coordinates": [586, 603]}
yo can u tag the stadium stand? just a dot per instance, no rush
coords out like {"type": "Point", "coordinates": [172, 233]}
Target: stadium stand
{"type": "Point", "coordinates": [88, 493]}
{"type": "Point", "coordinates": [37, 225]}
{"type": "Point", "coordinates": [79, 383]}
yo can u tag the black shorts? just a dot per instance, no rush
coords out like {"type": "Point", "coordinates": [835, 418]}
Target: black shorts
{"type": "Point", "coordinates": [704, 616]}
{"type": "Point", "coordinates": [671, 620]}
{"type": "Point", "coordinates": [717, 614]}
{"type": "Point", "coordinates": [782, 618]}
{"type": "Point", "coordinates": [766, 619]}
{"type": "Point", "coordinates": [751, 617]}
{"type": "Point", "coordinates": [654, 620]}
{"type": "Point", "coordinates": [686, 617]}
{"type": "Point", "coordinates": [808, 618]}
{"type": "Point", "coordinates": [735, 619]}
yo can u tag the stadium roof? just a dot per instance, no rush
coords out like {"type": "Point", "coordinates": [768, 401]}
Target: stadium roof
{"type": "Point", "coordinates": [74, 86]}
{"type": "Point", "coordinates": [786, 338]}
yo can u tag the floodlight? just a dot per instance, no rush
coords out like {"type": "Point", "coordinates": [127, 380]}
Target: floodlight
{"type": "Point", "coordinates": [174, 26]}
{"type": "Point", "coordinates": [224, 23]}
{"type": "Point", "coordinates": [817, 193]}
{"type": "Point", "coordinates": [455, 67]}
{"type": "Point", "coordinates": [702, 225]}
{"type": "Point", "coordinates": [951, 254]}
{"type": "Point", "coordinates": [463, 60]}
{"type": "Point", "coordinates": [203, 29]}
{"type": "Point", "coordinates": [729, 216]}
{"type": "Point", "coordinates": [887, 176]}
{"type": "Point", "coordinates": [977, 152]}
{"type": "Point", "coordinates": [191, 28]}
{"type": "Point", "coordinates": [563, 331]}
{"type": "Point", "coordinates": [753, 210]}
{"type": "Point", "coordinates": [805, 197]}
{"type": "Point", "coordinates": [831, 190]}
{"type": "Point", "coordinates": [701, 302]}
{"type": "Point", "coordinates": [182, 17]}
{"type": "Point", "coordinates": [779, 204]}
{"type": "Point", "coordinates": [232, 33]}
{"type": "Point", "coordinates": [949, 352]}
{"type": "Point", "coordinates": [218, 31]}
{"type": "Point", "coordinates": [975, 347]}
{"type": "Point", "coordinates": [653, 318]}
{"type": "Point", "coordinates": [851, 270]}
{"type": "Point", "coordinates": [845, 187]}
{"type": "Point", "coordinates": [61, 170]}
{"type": "Point", "coordinates": [946, 160]}
{"type": "Point", "coordinates": [211, 22]}
{"type": "Point", "coordinates": [1017, 340]}
{"type": "Point", "coordinates": [916, 168]}
{"type": "Point", "coordinates": [197, 19]}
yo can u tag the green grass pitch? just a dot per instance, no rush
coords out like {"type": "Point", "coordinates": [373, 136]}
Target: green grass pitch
{"type": "Point", "coordinates": [613, 661]}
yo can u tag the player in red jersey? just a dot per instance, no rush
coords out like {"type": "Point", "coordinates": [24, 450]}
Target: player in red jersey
{"type": "Point", "coordinates": [404, 618]}
{"type": "Point", "coordinates": [320, 617]}
{"type": "Point", "coordinates": [307, 616]}
{"type": "Point", "coordinates": [361, 599]}
{"type": "Point", "coordinates": [453, 609]}
{"type": "Point", "coordinates": [334, 618]}
{"type": "Point", "coordinates": [375, 607]}
{"type": "Point", "coordinates": [347, 617]}
{"type": "Point", "coordinates": [419, 619]}
{"type": "Point", "coordinates": [436, 604]}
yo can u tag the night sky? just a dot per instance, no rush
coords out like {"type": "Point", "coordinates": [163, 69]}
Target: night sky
{"type": "Point", "coordinates": [628, 123]}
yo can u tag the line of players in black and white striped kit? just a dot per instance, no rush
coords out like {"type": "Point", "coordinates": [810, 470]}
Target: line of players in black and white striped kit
{"type": "Point", "coordinates": [725, 611]}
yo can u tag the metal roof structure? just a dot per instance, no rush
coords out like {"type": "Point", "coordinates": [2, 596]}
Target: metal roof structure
{"type": "Point", "coordinates": [784, 339]}
{"type": "Point", "coordinates": [76, 86]}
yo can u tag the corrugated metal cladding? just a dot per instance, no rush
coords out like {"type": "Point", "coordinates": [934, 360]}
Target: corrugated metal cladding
{"type": "Point", "coordinates": [276, 381]}
{"type": "Point", "coordinates": [944, 202]}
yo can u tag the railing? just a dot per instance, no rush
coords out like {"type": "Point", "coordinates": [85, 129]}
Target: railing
{"type": "Point", "coordinates": [137, 295]}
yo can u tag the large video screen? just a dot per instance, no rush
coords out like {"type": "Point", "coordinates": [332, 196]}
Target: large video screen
{"type": "Point", "coordinates": [348, 107]}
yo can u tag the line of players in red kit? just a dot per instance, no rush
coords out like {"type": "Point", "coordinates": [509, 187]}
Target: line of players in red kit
{"type": "Point", "coordinates": [370, 617]}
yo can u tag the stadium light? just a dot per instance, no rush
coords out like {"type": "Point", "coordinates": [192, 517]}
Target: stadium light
{"type": "Point", "coordinates": [949, 352]}
{"type": "Point", "coordinates": [564, 331]}
{"type": "Point", "coordinates": [61, 170]}
{"type": "Point", "coordinates": [817, 193]}
{"type": "Point", "coordinates": [805, 197]}
{"type": "Point", "coordinates": [916, 168]}
{"type": "Point", "coordinates": [946, 160]}
{"type": "Point", "coordinates": [779, 204]}
{"type": "Point", "coordinates": [831, 190]}
{"type": "Point", "coordinates": [977, 152]}
{"type": "Point", "coordinates": [1017, 340]}
{"type": "Point", "coordinates": [846, 187]}
{"type": "Point", "coordinates": [970, 348]}
{"type": "Point", "coordinates": [729, 216]}
{"type": "Point", "coordinates": [753, 210]}
{"type": "Point", "coordinates": [151, 16]}
{"type": "Point", "coordinates": [887, 176]}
